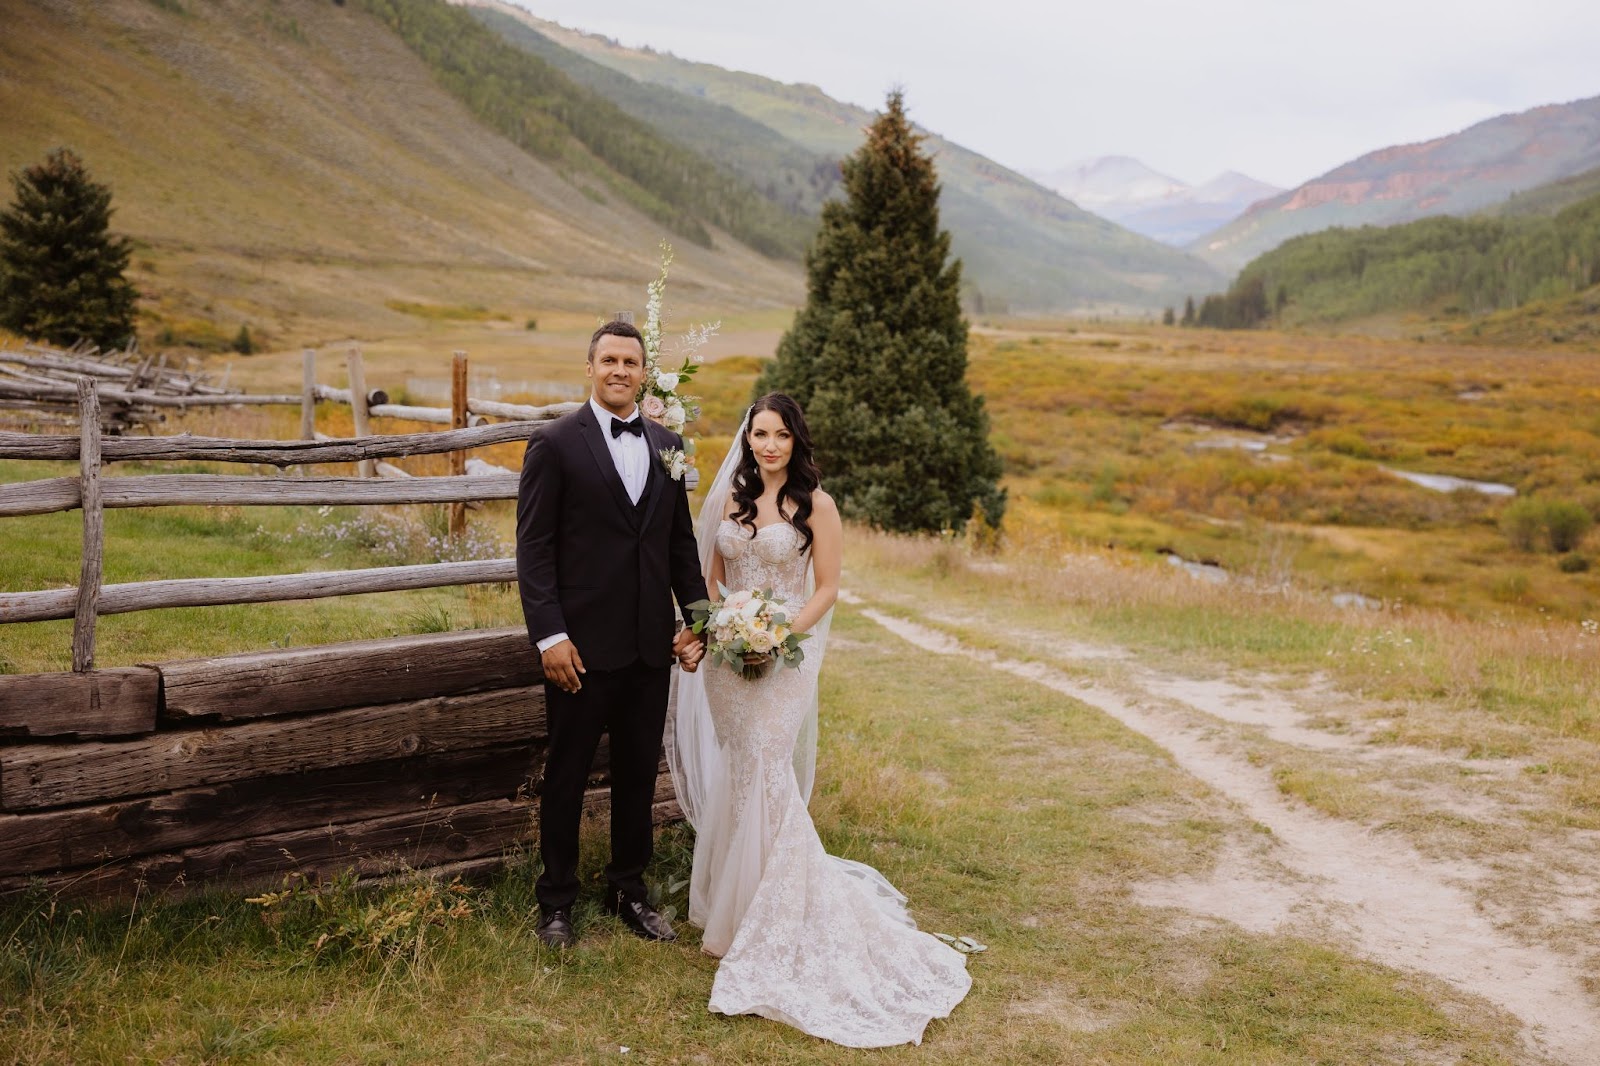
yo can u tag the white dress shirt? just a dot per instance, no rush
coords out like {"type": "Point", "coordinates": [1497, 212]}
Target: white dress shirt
{"type": "Point", "coordinates": [631, 454]}
{"type": "Point", "coordinates": [629, 451]}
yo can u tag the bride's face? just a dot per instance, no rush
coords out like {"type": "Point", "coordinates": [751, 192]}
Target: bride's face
{"type": "Point", "coordinates": [770, 442]}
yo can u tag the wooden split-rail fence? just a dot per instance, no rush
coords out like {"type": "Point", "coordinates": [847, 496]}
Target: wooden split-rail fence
{"type": "Point", "coordinates": [410, 752]}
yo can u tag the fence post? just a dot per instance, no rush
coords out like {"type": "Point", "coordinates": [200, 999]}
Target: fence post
{"type": "Point", "coordinates": [91, 571]}
{"type": "Point", "coordinates": [458, 420]}
{"type": "Point", "coordinates": [308, 395]}
{"type": "Point", "coordinates": [358, 403]}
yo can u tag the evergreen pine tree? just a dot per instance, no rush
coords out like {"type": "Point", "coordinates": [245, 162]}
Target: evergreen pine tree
{"type": "Point", "coordinates": [1188, 311]}
{"type": "Point", "coordinates": [877, 357]}
{"type": "Point", "coordinates": [61, 270]}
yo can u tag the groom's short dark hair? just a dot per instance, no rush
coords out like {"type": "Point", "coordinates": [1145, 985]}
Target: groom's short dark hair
{"type": "Point", "coordinates": [615, 328]}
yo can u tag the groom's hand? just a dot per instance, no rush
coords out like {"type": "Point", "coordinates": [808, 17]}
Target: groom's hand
{"type": "Point", "coordinates": [689, 647]}
{"type": "Point", "coordinates": [562, 665]}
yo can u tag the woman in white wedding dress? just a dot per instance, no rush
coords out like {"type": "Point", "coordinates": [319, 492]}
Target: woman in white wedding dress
{"type": "Point", "coordinates": [815, 941]}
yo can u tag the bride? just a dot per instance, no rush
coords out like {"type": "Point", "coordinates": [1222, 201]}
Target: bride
{"type": "Point", "coordinates": [815, 941]}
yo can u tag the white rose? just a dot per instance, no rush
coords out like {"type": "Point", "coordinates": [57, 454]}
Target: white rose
{"type": "Point", "coordinates": [761, 642]}
{"type": "Point", "coordinates": [666, 382]}
{"type": "Point", "coordinates": [737, 600]}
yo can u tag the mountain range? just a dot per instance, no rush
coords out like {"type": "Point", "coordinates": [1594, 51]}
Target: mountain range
{"type": "Point", "coordinates": [1146, 201]}
{"type": "Point", "coordinates": [312, 168]}
{"type": "Point", "coordinates": [1477, 168]}
{"type": "Point", "coordinates": [1023, 247]}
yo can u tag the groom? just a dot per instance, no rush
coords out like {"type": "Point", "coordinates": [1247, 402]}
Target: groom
{"type": "Point", "coordinates": [604, 542]}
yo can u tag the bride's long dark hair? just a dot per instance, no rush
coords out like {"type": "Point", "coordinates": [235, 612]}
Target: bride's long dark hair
{"type": "Point", "coordinates": [803, 475]}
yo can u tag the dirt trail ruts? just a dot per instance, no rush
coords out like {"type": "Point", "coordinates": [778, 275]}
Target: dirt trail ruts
{"type": "Point", "coordinates": [1326, 878]}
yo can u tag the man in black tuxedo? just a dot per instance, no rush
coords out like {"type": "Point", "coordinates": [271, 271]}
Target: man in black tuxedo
{"type": "Point", "coordinates": [604, 542]}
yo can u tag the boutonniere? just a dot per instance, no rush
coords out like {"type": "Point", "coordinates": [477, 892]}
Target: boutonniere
{"type": "Point", "coordinates": [678, 461]}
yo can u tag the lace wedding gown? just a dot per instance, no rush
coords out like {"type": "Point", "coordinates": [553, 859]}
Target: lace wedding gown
{"type": "Point", "coordinates": [820, 943]}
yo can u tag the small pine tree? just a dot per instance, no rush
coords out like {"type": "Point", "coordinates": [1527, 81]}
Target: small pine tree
{"type": "Point", "coordinates": [1188, 311]}
{"type": "Point", "coordinates": [61, 269]}
{"type": "Point", "coordinates": [877, 357]}
{"type": "Point", "coordinates": [243, 343]}
{"type": "Point", "coordinates": [1168, 317]}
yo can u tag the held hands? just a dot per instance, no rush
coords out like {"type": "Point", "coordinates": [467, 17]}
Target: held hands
{"type": "Point", "coordinates": [562, 666]}
{"type": "Point", "coordinates": [690, 648]}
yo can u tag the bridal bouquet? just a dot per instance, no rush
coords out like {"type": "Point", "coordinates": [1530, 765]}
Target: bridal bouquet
{"type": "Point", "coordinates": [749, 631]}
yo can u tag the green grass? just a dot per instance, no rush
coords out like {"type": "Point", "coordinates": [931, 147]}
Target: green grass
{"type": "Point", "coordinates": [1004, 810]}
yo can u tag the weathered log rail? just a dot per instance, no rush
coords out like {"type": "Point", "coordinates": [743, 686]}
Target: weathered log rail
{"type": "Point", "coordinates": [136, 393]}
{"type": "Point", "coordinates": [379, 755]}
{"type": "Point", "coordinates": [93, 494]}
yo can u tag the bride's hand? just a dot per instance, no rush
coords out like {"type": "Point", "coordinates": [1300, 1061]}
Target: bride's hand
{"type": "Point", "coordinates": [756, 658]}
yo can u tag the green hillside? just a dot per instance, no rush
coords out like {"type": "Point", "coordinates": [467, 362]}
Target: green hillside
{"type": "Point", "coordinates": [294, 166]}
{"type": "Point", "coordinates": [790, 176]}
{"type": "Point", "coordinates": [1548, 199]}
{"type": "Point", "coordinates": [1024, 248]}
{"type": "Point", "coordinates": [1453, 266]}
{"type": "Point", "coordinates": [528, 100]}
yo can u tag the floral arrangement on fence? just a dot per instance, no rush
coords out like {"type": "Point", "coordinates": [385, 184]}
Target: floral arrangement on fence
{"type": "Point", "coordinates": [667, 368]}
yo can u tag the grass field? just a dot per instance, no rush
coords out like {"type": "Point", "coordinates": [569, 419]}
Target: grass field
{"type": "Point", "coordinates": [1004, 811]}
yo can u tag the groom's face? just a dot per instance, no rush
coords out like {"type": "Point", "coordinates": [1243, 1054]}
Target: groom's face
{"type": "Point", "coordinates": [617, 371]}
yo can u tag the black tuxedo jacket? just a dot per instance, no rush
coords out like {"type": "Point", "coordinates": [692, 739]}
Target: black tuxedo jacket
{"type": "Point", "coordinates": [590, 562]}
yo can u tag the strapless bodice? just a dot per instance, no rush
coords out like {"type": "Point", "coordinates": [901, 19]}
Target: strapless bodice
{"type": "Point", "coordinates": [769, 557]}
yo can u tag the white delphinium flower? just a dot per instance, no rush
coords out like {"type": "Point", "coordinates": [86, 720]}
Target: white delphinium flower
{"type": "Point", "coordinates": [652, 308]}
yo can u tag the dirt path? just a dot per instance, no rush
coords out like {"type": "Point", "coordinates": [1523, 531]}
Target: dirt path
{"type": "Point", "coordinates": [1319, 876]}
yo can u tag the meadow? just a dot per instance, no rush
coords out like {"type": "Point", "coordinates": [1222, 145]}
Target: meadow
{"type": "Point", "coordinates": [1458, 718]}
{"type": "Point", "coordinates": [1269, 455]}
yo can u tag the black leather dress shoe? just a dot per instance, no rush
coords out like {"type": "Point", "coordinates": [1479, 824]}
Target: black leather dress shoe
{"type": "Point", "coordinates": [555, 929]}
{"type": "Point", "coordinates": [640, 918]}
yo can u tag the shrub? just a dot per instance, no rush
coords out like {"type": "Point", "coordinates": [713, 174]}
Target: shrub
{"type": "Point", "coordinates": [1566, 524]}
{"type": "Point", "coordinates": [1520, 522]}
{"type": "Point", "coordinates": [242, 342]}
{"type": "Point", "coordinates": [1573, 563]}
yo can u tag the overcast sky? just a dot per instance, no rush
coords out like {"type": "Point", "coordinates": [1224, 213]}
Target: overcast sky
{"type": "Point", "coordinates": [1282, 90]}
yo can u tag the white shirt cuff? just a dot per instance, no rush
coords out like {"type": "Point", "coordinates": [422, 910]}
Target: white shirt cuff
{"type": "Point", "coordinates": [551, 641]}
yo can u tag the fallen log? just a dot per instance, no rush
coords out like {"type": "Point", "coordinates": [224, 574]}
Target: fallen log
{"type": "Point", "coordinates": [297, 680]}
{"type": "Point", "coordinates": [51, 775]}
{"type": "Point", "coordinates": [99, 703]}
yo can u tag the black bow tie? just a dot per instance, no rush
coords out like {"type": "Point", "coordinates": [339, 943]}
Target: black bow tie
{"type": "Point", "coordinates": [619, 427]}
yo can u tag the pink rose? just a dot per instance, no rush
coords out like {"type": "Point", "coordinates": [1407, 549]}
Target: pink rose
{"type": "Point", "coordinates": [654, 408]}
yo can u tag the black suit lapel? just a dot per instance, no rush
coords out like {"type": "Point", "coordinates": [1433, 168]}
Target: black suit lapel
{"type": "Point", "coordinates": [594, 437]}
{"type": "Point", "coordinates": [658, 478]}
